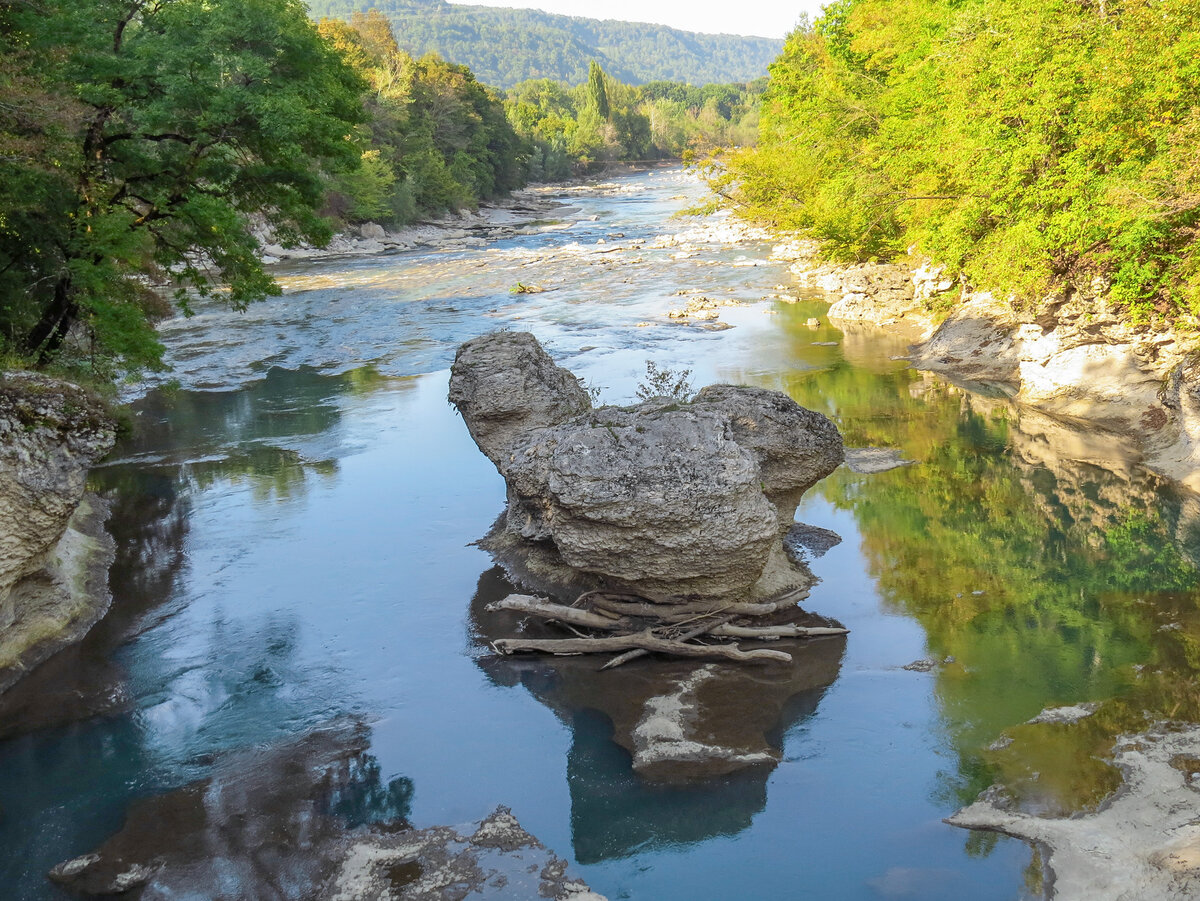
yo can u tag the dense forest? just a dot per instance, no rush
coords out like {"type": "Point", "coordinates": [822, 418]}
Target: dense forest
{"type": "Point", "coordinates": [1027, 145]}
{"type": "Point", "coordinates": [506, 46]}
{"type": "Point", "coordinates": [146, 148]}
{"type": "Point", "coordinates": [140, 144]}
{"type": "Point", "coordinates": [569, 129]}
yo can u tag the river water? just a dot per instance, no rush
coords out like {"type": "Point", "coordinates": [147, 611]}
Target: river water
{"type": "Point", "coordinates": [296, 515]}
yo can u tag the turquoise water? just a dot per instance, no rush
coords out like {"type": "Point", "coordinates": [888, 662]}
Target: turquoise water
{"type": "Point", "coordinates": [296, 518]}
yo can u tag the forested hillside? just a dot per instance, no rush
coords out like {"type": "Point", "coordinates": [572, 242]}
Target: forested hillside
{"type": "Point", "coordinates": [506, 46]}
{"type": "Point", "coordinates": [568, 129]}
{"type": "Point", "coordinates": [1027, 144]}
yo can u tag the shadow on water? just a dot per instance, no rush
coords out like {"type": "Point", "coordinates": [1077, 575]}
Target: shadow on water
{"type": "Point", "coordinates": [617, 812]}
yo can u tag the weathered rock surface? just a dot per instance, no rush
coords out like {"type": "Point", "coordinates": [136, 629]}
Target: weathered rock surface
{"type": "Point", "coordinates": [310, 819]}
{"type": "Point", "coordinates": [1078, 359]}
{"type": "Point", "coordinates": [664, 499]}
{"type": "Point", "coordinates": [879, 294]}
{"type": "Point", "coordinates": [54, 551]}
{"type": "Point", "coordinates": [1143, 843]}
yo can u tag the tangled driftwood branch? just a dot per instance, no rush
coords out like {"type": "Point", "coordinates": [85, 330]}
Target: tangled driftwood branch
{"type": "Point", "coordinates": [638, 627]}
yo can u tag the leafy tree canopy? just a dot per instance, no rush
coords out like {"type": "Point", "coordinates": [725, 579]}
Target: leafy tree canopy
{"type": "Point", "coordinates": [1032, 146]}
{"type": "Point", "coordinates": [140, 142]}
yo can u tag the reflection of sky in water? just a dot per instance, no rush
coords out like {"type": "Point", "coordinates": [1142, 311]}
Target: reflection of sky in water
{"type": "Point", "coordinates": [331, 496]}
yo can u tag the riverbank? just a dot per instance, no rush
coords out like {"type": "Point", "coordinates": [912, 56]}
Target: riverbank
{"type": "Point", "coordinates": [1074, 357]}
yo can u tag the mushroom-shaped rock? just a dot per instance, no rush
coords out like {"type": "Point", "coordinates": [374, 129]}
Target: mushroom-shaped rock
{"type": "Point", "coordinates": [665, 499]}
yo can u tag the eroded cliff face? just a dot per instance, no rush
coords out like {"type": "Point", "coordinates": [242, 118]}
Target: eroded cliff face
{"type": "Point", "coordinates": [54, 551]}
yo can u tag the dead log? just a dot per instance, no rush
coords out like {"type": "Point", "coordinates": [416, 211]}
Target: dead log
{"type": "Point", "coordinates": [640, 640]}
{"type": "Point", "coordinates": [771, 633]}
{"type": "Point", "coordinates": [621, 659]}
{"type": "Point", "coordinates": [673, 613]}
{"type": "Point", "coordinates": [526, 603]}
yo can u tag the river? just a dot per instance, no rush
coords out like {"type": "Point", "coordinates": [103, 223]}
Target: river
{"type": "Point", "coordinates": [296, 511]}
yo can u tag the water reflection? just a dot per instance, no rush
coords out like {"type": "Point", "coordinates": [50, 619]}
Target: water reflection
{"type": "Point", "coordinates": [1035, 552]}
{"type": "Point", "coordinates": [616, 811]}
{"type": "Point", "coordinates": [267, 822]}
{"type": "Point", "coordinates": [149, 524]}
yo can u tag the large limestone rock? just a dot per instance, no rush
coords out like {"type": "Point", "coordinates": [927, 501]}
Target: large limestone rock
{"type": "Point", "coordinates": [1077, 358]}
{"type": "Point", "coordinates": [665, 499]}
{"type": "Point", "coordinates": [54, 552]}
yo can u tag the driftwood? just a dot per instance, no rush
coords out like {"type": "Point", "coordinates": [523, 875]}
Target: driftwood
{"type": "Point", "coordinates": [771, 633]}
{"type": "Point", "coordinates": [686, 636]}
{"type": "Point", "coordinates": [674, 612]}
{"type": "Point", "coordinates": [526, 603]}
{"type": "Point", "coordinates": [644, 641]}
{"type": "Point", "coordinates": [646, 626]}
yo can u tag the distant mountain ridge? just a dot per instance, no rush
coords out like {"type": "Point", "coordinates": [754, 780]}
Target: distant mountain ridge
{"type": "Point", "coordinates": [506, 46]}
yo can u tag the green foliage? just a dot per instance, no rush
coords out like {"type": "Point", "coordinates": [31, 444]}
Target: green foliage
{"type": "Point", "coordinates": [568, 129]}
{"type": "Point", "coordinates": [438, 139]}
{"type": "Point", "coordinates": [1034, 147]}
{"type": "Point", "coordinates": [144, 137]}
{"type": "Point", "coordinates": [672, 383]}
{"type": "Point", "coordinates": [504, 47]}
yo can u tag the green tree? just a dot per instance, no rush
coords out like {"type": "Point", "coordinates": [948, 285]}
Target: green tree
{"type": "Point", "coordinates": [186, 123]}
{"type": "Point", "coordinates": [597, 92]}
{"type": "Point", "coordinates": [1037, 148]}
{"type": "Point", "coordinates": [444, 138]}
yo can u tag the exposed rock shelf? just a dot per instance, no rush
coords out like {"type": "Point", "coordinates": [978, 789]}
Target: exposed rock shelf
{"type": "Point", "coordinates": [1072, 356]}
{"type": "Point", "coordinates": [1142, 843]}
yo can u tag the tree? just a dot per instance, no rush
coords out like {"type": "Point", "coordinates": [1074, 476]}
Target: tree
{"type": "Point", "coordinates": [188, 122]}
{"type": "Point", "coordinates": [597, 92]}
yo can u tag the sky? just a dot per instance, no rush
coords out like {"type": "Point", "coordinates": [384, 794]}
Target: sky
{"type": "Point", "coordinates": [766, 18]}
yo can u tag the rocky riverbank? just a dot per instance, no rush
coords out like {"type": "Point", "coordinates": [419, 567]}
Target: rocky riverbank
{"type": "Point", "coordinates": [54, 550]}
{"type": "Point", "coordinates": [1073, 357]}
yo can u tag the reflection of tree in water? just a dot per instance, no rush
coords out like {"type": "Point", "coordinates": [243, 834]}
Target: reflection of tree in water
{"type": "Point", "coordinates": [1048, 579]}
{"type": "Point", "coordinates": [272, 433]}
{"type": "Point", "coordinates": [616, 812]}
{"type": "Point", "coordinates": [264, 821]}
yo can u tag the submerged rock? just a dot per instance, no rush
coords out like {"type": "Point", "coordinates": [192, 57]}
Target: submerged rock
{"type": "Point", "coordinates": [54, 551]}
{"type": "Point", "coordinates": [311, 819]}
{"type": "Point", "coordinates": [665, 499]}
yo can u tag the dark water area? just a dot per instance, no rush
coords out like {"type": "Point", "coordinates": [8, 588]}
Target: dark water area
{"type": "Point", "coordinates": [295, 518]}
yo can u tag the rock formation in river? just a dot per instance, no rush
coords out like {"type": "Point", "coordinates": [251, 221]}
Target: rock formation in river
{"type": "Point", "coordinates": [311, 818]}
{"type": "Point", "coordinates": [54, 551]}
{"type": "Point", "coordinates": [1144, 842]}
{"type": "Point", "coordinates": [665, 499]}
